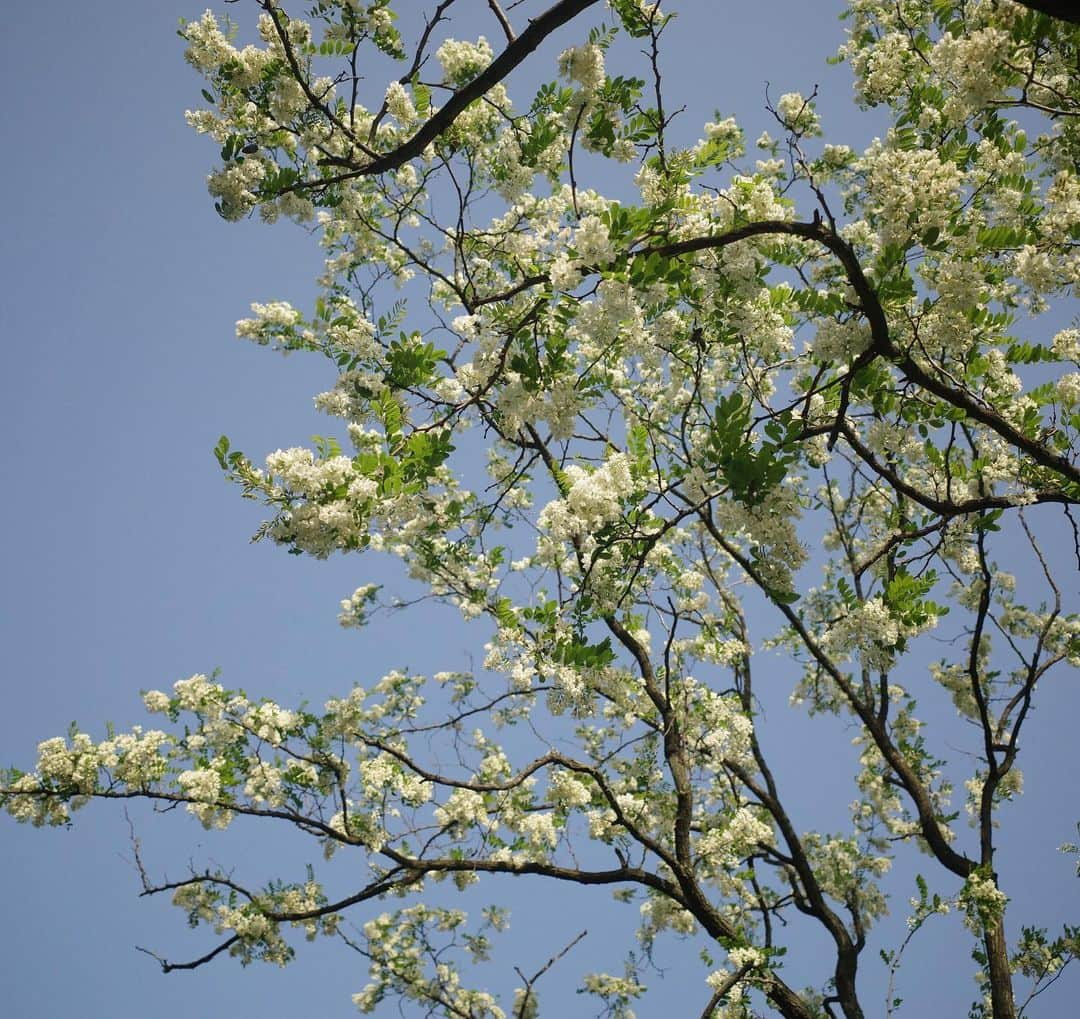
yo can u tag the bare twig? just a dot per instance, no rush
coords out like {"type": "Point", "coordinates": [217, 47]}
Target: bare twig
{"type": "Point", "coordinates": [523, 1005]}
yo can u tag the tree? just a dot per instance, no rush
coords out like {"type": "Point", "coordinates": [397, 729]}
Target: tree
{"type": "Point", "coordinates": [820, 397]}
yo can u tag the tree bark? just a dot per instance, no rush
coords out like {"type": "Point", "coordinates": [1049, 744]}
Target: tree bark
{"type": "Point", "coordinates": [1066, 10]}
{"type": "Point", "coordinates": [997, 964]}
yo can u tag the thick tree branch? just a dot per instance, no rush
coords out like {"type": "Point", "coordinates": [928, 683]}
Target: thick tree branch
{"type": "Point", "coordinates": [1065, 10]}
{"type": "Point", "coordinates": [524, 44]}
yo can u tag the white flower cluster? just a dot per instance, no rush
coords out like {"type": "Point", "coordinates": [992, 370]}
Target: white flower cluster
{"type": "Point", "coordinates": [354, 609]}
{"type": "Point", "coordinates": [202, 786]}
{"type": "Point", "coordinates": [724, 846]}
{"type": "Point", "coordinates": [837, 155]}
{"type": "Point", "coordinates": [841, 340]}
{"type": "Point", "coordinates": [462, 61]}
{"type": "Point", "coordinates": [715, 723]}
{"type": "Point", "coordinates": [797, 114]}
{"type": "Point", "coordinates": [272, 321]}
{"type": "Point", "coordinates": [846, 872]}
{"type": "Point", "coordinates": [607, 986]}
{"type": "Point", "coordinates": [1067, 390]}
{"type": "Point", "coordinates": [540, 834]}
{"type": "Point", "coordinates": [1066, 345]}
{"type": "Point", "coordinates": [983, 902]}
{"type": "Point", "coordinates": [747, 956]}
{"type": "Point", "coordinates": [265, 784]}
{"type": "Point", "coordinates": [909, 191]}
{"type": "Point", "coordinates": [882, 71]}
{"type": "Point", "coordinates": [567, 792]}
{"type": "Point", "coordinates": [399, 947]}
{"type": "Point", "coordinates": [726, 130]}
{"type": "Point", "coordinates": [464, 809]}
{"type": "Point", "coordinates": [363, 827]}
{"type": "Point", "coordinates": [592, 242]}
{"type": "Point", "coordinates": [336, 496]}
{"type": "Point", "coordinates": [208, 48]}
{"type": "Point", "coordinates": [235, 187]}
{"type": "Point", "coordinates": [200, 694]}
{"type": "Point", "coordinates": [384, 774]}
{"type": "Point", "coordinates": [968, 63]}
{"type": "Point", "coordinates": [584, 65]}
{"type": "Point", "coordinates": [270, 722]}
{"type": "Point", "coordinates": [400, 104]}
{"type": "Point", "coordinates": [593, 499]}
{"type": "Point", "coordinates": [869, 629]}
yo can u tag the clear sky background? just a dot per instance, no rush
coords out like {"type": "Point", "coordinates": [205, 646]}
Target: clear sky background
{"type": "Point", "coordinates": [127, 564]}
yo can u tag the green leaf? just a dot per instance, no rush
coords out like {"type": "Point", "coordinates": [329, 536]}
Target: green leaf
{"type": "Point", "coordinates": [221, 451]}
{"type": "Point", "coordinates": [504, 613]}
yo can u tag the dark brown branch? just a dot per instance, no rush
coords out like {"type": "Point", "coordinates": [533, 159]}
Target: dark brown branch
{"type": "Point", "coordinates": [503, 20]}
{"type": "Point", "coordinates": [882, 343]}
{"type": "Point", "coordinates": [718, 995]}
{"type": "Point", "coordinates": [394, 880]}
{"type": "Point", "coordinates": [169, 967]}
{"type": "Point", "coordinates": [1064, 10]}
{"type": "Point", "coordinates": [515, 782]}
{"type": "Point", "coordinates": [539, 29]}
{"type": "Point", "coordinates": [943, 507]}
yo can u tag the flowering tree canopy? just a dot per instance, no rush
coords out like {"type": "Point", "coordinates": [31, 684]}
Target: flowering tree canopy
{"type": "Point", "coordinates": [823, 393]}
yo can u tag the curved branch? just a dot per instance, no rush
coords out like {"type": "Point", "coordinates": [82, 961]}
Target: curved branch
{"type": "Point", "coordinates": [882, 343]}
{"type": "Point", "coordinates": [726, 985]}
{"type": "Point", "coordinates": [169, 967]}
{"type": "Point", "coordinates": [539, 29]}
{"type": "Point", "coordinates": [943, 507]}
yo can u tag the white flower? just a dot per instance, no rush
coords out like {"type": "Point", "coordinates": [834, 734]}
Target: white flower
{"type": "Point", "coordinates": [567, 792]}
{"type": "Point", "coordinates": [155, 701]}
{"type": "Point", "coordinates": [1066, 345]}
{"type": "Point", "coordinates": [198, 694]}
{"type": "Point", "coordinates": [868, 628]}
{"type": "Point", "coordinates": [723, 130]}
{"type": "Point", "coordinates": [591, 240]}
{"type": "Point", "coordinates": [265, 784]}
{"type": "Point", "coordinates": [909, 190]}
{"type": "Point", "coordinates": [271, 321]}
{"type": "Point", "coordinates": [836, 155]}
{"type": "Point", "coordinates": [200, 784]}
{"type": "Point", "coordinates": [797, 113]}
{"type": "Point", "coordinates": [208, 48]}
{"type": "Point", "coordinates": [354, 608]}
{"type": "Point", "coordinates": [594, 499]}
{"type": "Point", "coordinates": [746, 956]}
{"type": "Point", "coordinates": [400, 104]}
{"type": "Point", "coordinates": [463, 809]}
{"type": "Point", "coordinates": [462, 61]}
{"type": "Point", "coordinates": [583, 64]}
{"type": "Point", "coordinates": [564, 272]}
{"type": "Point", "coordinates": [983, 902]}
{"type": "Point", "coordinates": [1067, 389]}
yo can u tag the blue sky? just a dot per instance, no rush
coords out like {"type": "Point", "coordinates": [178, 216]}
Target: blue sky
{"type": "Point", "coordinates": [127, 563]}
